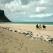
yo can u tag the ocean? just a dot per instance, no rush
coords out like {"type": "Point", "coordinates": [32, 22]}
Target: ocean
{"type": "Point", "coordinates": [45, 23]}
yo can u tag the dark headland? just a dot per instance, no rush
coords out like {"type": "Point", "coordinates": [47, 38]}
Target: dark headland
{"type": "Point", "coordinates": [3, 18]}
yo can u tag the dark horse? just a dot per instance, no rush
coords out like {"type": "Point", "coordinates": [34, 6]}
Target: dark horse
{"type": "Point", "coordinates": [37, 26]}
{"type": "Point", "coordinates": [44, 27]}
{"type": "Point", "coordinates": [51, 40]}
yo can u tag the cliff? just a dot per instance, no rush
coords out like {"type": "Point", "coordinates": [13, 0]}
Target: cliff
{"type": "Point", "coordinates": [3, 18]}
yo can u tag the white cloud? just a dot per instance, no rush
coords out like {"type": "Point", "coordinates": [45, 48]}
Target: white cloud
{"type": "Point", "coordinates": [13, 6]}
{"type": "Point", "coordinates": [40, 9]}
{"type": "Point", "coordinates": [43, 1]}
{"type": "Point", "coordinates": [41, 15]}
{"type": "Point", "coordinates": [17, 6]}
{"type": "Point", "coordinates": [33, 6]}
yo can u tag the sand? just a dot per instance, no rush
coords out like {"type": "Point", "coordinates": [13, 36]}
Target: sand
{"type": "Point", "coordinates": [30, 27]}
{"type": "Point", "coordinates": [15, 42]}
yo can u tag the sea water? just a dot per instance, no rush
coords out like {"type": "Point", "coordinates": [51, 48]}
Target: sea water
{"type": "Point", "coordinates": [45, 23]}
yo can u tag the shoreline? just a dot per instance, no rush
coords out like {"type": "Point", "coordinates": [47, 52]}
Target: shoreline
{"type": "Point", "coordinates": [26, 24]}
{"type": "Point", "coordinates": [29, 23]}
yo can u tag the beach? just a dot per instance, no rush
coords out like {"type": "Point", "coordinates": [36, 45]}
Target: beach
{"type": "Point", "coordinates": [29, 27]}
{"type": "Point", "coordinates": [13, 38]}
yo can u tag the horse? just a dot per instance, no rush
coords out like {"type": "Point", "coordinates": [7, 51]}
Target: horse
{"type": "Point", "coordinates": [37, 26]}
{"type": "Point", "coordinates": [44, 27]}
{"type": "Point", "coordinates": [51, 40]}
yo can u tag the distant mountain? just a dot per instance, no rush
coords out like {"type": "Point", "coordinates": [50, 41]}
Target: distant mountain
{"type": "Point", "coordinates": [3, 18]}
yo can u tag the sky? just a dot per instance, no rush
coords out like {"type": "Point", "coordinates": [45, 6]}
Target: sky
{"type": "Point", "coordinates": [28, 10]}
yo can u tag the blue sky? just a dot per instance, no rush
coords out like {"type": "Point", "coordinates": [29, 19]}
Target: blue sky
{"type": "Point", "coordinates": [28, 10]}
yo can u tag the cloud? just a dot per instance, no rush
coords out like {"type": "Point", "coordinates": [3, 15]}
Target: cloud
{"type": "Point", "coordinates": [42, 15]}
{"type": "Point", "coordinates": [5, 1]}
{"type": "Point", "coordinates": [27, 8]}
{"type": "Point", "coordinates": [40, 9]}
{"type": "Point", "coordinates": [25, 2]}
{"type": "Point", "coordinates": [43, 1]}
{"type": "Point", "coordinates": [12, 6]}
{"type": "Point", "coordinates": [31, 7]}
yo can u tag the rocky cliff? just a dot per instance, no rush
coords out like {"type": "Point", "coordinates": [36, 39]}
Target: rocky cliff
{"type": "Point", "coordinates": [3, 18]}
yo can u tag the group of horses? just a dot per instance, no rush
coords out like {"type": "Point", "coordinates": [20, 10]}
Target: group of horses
{"type": "Point", "coordinates": [40, 26]}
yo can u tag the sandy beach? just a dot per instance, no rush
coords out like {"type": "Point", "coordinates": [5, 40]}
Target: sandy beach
{"type": "Point", "coordinates": [13, 40]}
{"type": "Point", "coordinates": [29, 27]}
